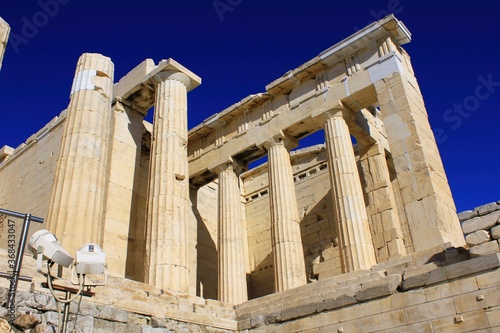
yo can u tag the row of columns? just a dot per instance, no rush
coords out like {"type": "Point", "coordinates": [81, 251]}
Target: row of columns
{"type": "Point", "coordinates": [356, 245]}
{"type": "Point", "coordinates": [168, 194]}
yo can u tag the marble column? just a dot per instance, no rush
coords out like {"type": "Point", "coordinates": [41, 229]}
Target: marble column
{"type": "Point", "coordinates": [232, 275]}
{"type": "Point", "coordinates": [356, 245]}
{"type": "Point", "coordinates": [75, 213]}
{"type": "Point", "coordinates": [289, 266]}
{"type": "Point", "coordinates": [168, 195]}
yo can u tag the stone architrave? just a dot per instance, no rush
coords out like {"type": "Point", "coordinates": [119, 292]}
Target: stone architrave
{"type": "Point", "coordinates": [289, 266]}
{"type": "Point", "coordinates": [356, 245]}
{"type": "Point", "coordinates": [168, 195]}
{"type": "Point", "coordinates": [231, 252]}
{"type": "Point", "coordinates": [77, 200]}
{"type": "Point", "coordinates": [4, 36]}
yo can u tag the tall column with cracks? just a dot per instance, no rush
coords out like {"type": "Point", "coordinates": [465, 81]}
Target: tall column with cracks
{"type": "Point", "coordinates": [76, 206]}
{"type": "Point", "coordinates": [168, 196]}
{"type": "Point", "coordinates": [349, 206]}
{"type": "Point", "coordinates": [289, 266]}
{"type": "Point", "coordinates": [232, 275]}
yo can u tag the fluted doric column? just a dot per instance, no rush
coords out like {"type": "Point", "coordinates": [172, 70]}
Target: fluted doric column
{"type": "Point", "coordinates": [289, 266]}
{"type": "Point", "coordinates": [168, 196]}
{"type": "Point", "coordinates": [76, 206]}
{"type": "Point", "coordinates": [349, 206]}
{"type": "Point", "coordinates": [4, 36]}
{"type": "Point", "coordinates": [232, 275]}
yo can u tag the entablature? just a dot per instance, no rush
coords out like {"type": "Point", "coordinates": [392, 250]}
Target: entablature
{"type": "Point", "coordinates": [343, 75]}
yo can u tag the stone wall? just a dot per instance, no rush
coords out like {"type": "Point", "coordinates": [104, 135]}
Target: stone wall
{"type": "Point", "coordinates": [27, 173]}
{"type": "Point", "coordinates": [37, 312]}
{"type": "Point", "coordinates": [121, 305]}
{"type": "Point", "coordinates": [481, 227]}
{"type": "Point", "coordinates": [443, 289]}
{"type": "Point", "coordinates": [431, 291]}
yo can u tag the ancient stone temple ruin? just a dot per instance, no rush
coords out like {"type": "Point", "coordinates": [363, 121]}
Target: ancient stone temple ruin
{"type": "Point", "coordinates": [358, 234]}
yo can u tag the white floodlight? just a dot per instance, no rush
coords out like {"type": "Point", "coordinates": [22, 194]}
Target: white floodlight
{"type": "Point", "coordinates": [90, 260]}
{"type": "Point", "coordinates": [45, 246]}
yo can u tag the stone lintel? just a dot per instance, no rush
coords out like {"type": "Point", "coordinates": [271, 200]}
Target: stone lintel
{"type": "Point", "coordinates": [137, 88]}
{"type": "Point", "coordinates": [220, 119]}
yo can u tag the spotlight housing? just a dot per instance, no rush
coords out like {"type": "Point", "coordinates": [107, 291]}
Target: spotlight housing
{"type": "Point", "coordinates": [45, 246]}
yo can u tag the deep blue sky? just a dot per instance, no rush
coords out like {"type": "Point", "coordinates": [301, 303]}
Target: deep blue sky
{"type": "Point", "coordinates": [454, 44]}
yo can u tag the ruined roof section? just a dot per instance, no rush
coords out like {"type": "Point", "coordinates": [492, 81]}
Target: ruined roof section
{"type": "Point", "coordinates": [387, 26]}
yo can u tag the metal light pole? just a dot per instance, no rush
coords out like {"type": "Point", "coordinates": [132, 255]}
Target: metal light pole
{"type": "Point", "coordinates": [14, 276]}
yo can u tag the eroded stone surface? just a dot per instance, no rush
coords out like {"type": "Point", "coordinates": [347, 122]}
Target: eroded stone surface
{"type": "Point", "coordinates": [485, 222]}
{"type": "Point", "coordinates": [487, 208]}
{"type": "Point", "coordinates": [477, 237]}
{"type": "Point", "coordinates": [26, 321]}
{"type": "Point", "coordinates": [495, 232]}
{"type": "Point", "coordinates": [466, 215]}
{"type": "Point", "coordinates": [484, 249]}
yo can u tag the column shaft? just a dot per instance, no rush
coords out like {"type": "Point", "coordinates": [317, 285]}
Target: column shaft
{"type": "Point", "coordinates": [289, 263]}
{"type": "Point", "coordinates": [354, 232]}
{"type": "Point", "coordinates": [76, 206]}
{"type": "Point", "coordinates": [168, 196]}
{"type": "Point", "coordinates": [232, 275]}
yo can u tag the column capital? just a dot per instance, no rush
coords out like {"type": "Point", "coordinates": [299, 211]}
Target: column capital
{"type": "Point", "coordinates": [173, 75]}
{"type": "Point", "coordinates": [229, 164]}
{"type": "Point", "coordinates": [118, 105]}
{"type": "Point", "coordinates": [344, 113]}
{"type": "Point", "coordinates": [336, 108]}
{"type": "Point", "coordinates": [281, 139]}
